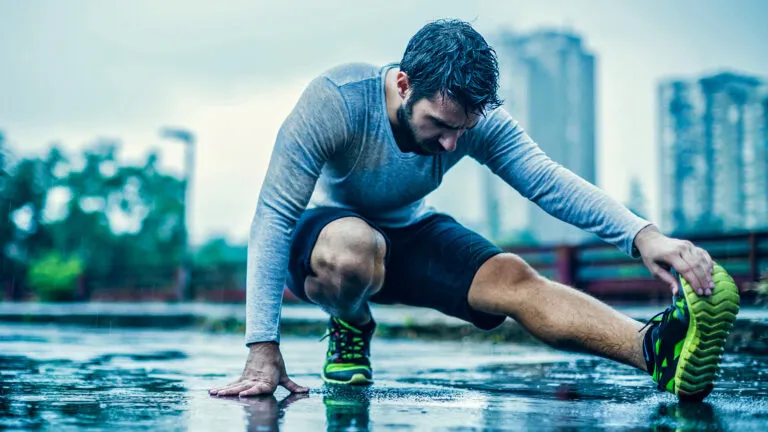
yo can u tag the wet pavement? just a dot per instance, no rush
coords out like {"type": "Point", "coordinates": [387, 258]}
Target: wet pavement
{"type": "Point", "coordinates": [385, 314]}
{"type": "Point", "coordinates": [79, 378]}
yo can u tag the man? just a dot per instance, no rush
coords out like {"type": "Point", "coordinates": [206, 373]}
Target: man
{"type": "Point", "coordinates": [341, 221]}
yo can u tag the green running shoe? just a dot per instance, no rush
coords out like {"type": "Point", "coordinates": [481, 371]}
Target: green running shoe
{"type": "Point", "coordinates": [348, 358]}
{"type": "Point", "coordinates": [684, 345]}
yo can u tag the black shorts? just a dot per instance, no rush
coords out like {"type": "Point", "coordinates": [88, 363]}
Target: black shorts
{"type": "Point", "coordinates": [430, 263]}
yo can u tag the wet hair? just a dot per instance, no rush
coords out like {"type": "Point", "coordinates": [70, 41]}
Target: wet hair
{"type": "Point", "coordinates": [450, 58]}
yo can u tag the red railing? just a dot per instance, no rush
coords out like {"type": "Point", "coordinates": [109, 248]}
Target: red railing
{"type": "Point", "coordinates": [605, 272]}
{"type": "Point", "coordinates": [595, 268]}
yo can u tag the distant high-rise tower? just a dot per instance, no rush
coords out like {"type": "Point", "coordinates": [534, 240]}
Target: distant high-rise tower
{"type": "Point", "coordinates": [757, 179]}
{"type": "Point", "coordinates": [680, 143]}
{"type": "Point", "coordinates": [712, 156]}
{"type": "Point", "coordinates": [548, 84]}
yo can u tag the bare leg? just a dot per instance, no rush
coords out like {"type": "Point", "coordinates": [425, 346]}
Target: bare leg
{"type": "Point", "coordinates": [560, 316]}
{"type": "Point", "coordinates": [348, 259]}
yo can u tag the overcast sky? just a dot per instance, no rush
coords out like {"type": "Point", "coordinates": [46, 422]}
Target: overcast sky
{"type": "Point", "coordinates": [73, 71]}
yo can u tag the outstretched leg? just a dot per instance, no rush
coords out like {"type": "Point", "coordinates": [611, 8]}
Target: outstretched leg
{"type": "Point", "coordinates": [558, 315]}
{"type": "Point", "coordinates": [681, 348]}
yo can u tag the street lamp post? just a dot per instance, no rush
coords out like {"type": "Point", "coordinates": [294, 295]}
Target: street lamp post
{"type": "Point", "coordinates": [188, 139]}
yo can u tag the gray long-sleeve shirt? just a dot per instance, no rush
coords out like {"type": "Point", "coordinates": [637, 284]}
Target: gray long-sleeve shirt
{"type": "Point", "coordinates": [336, 148]}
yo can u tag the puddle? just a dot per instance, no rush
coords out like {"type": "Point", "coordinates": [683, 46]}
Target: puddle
{"type": "Point", "coordinates": [69, 378]}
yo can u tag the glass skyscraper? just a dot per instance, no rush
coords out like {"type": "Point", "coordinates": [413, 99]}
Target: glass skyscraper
{"type": "Point", "coordinates": [713, 153]}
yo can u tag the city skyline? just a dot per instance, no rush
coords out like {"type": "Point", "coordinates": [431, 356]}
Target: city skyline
{"type": "Point", "coordinates": [713, 145]}
{"type": "Point", "coordinates": [69, 76]}
{"type": "Point", "coordinates": [713, 142]}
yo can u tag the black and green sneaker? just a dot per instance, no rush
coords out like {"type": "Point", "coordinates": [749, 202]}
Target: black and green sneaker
{"type": "Point", "coordinates": [348, 358]}
{"type": "Point", "coordinates": [684, 345]}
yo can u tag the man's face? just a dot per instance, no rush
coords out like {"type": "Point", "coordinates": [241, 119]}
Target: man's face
{"type": "Point", "coordinates": [431, 126]}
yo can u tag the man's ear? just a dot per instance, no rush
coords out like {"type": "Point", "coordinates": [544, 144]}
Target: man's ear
{"type": "Point", "coordinates": [403, 84]}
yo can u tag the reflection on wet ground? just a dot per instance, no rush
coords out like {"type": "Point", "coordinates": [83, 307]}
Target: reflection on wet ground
{"type": "Point", "coordinates": [70, 378]}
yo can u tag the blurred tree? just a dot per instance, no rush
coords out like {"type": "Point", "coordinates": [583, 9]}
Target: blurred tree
{"type": "Point", "coordinates": [119, 218]}
{"type": "Point", "coordinates": [28, 186]}
{"type": "Point", "coordinates": [123, 219]}
{"type": "Point", "coordinates": [23, 190]}
{"type": "Point", "coordinates": [7, 227]}
{"type": "Point", "coordinates": [218, 251]}
{"type": "Point", "coordinates": [157, 200]}
{"type": "Point", "coordinates": [85, 231]}
{"type": "Point", "coordinates": [54, 277]}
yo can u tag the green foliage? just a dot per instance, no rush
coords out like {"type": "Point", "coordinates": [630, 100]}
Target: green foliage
{"type": "Point", "coordinates": [10, 270]}
{"type": "Point", "coordinates": [54, 277]}
{"type": "Point", "coordinates": [6, 230]}
{"type": "Point", "coordinates": [102, 192]}
{"type": "Point", "coordinates": [218, 251]}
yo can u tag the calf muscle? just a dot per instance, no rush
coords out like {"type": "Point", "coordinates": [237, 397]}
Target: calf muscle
{"type": "Point", "coordinates": [556, 314]}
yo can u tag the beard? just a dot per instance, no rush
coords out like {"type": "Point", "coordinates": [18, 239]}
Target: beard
{"type": "Point", "coordinates": [406, 135]}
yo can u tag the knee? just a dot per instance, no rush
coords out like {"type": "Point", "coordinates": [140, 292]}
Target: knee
{"type": "Point", "coordinates": [509, 271]}
{"type": "Point", "coordinates": [348, 260]}
{"type": "Point", "coordinates": [501, 279]}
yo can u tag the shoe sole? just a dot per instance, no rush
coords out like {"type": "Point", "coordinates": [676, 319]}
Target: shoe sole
{"type": "Point", "coordinates": [712, 318]}
{"type": "Point", "coordinates": [357, 379]}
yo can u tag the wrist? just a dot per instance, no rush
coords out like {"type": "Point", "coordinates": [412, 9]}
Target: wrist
{"type": "Point", "coordinates": [645, 235]}
{"type": "Point", "coordinates": [263, 346]}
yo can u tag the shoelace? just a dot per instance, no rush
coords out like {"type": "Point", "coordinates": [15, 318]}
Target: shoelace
{"type": "Point", "coordinates": [664, 315]}
{"type": "Point", "coordinates": [346, 343]}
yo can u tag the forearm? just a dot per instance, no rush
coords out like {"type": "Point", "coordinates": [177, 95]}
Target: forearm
{"type": "Point", "coordinates": [580, 203]}
{"type": "Point", "coordinates": [268, 249]}
{"type": "Point", "coordinates": [313, 132]}
{"type": "Point", "coordinates": [508, 151]}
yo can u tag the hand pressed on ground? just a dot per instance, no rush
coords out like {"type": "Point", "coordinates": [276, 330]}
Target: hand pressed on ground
{"type": "Point", "coordinates": [264, 371]}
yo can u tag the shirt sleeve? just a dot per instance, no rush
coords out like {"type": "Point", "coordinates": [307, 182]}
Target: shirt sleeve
{"type": "Point", "coordinates": [315, 129]}
{"type": "Point", "coordinates": [501, 144]}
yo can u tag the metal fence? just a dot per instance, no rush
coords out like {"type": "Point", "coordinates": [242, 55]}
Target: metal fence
{"type": "Point", "coordinates": [598, 269]}
{"type": "Point", "coordinates": [605, 272]}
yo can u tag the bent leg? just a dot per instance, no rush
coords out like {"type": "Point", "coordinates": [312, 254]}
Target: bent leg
{"type": "Point", "coordinates": [348, 266]}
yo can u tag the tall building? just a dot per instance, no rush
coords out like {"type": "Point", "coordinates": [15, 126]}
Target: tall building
{"type": "Point", "coordinates": [548, 83]}
{"type": "Point", "coordinates": [713, 153]}
{"type": "Point", "coordinates": [757, 178]}
{"type": "Point", "coordinates": [680, 141]}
